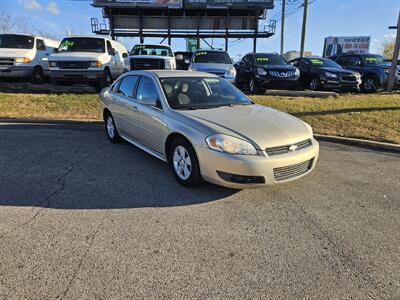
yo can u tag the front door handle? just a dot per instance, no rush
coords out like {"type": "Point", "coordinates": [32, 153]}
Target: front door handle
{"type": "Point", "coordinates": [134, 108]}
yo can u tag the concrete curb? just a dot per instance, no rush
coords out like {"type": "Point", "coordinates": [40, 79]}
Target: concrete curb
{"type": "Point", "coordinates": [359, 142]}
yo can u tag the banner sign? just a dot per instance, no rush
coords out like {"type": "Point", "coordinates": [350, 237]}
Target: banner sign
{"type": "Point", "coordinates": [139, 3]}
{"type": "Point", "coordinates": [261, 4]}
{"type": "Point", "coordinates": [343, 44]}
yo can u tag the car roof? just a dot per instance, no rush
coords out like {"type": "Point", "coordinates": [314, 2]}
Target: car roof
{"type": "Point", "coordinates": [211, 50]}
{"type": "Point", "coordinates": [172, 73]}
{"type": "Point", "coordinates": [152, 45]}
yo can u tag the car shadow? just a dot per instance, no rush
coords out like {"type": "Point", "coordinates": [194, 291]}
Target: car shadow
{"type": "Point", "coordinates": [74, 166]}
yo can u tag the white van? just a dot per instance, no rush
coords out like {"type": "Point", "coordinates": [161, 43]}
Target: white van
{"type": "Point", "coordinates": [150, 57]}
{"type": "Point", "coordinates": [96, 60]}
{"type": "Point", "coordinates": [25, 56]}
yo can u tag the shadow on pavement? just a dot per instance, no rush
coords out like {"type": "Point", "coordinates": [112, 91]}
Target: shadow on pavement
{"type": "Point", "coordinates": [73, 166]}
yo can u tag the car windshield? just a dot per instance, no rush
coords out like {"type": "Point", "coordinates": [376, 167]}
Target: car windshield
{"type": "Point", "coordinates": [15, 41]}
{"type": "Point", "coordinates": [201, 93]}
{"type": "Point", "coordinates": [323, 62]}
{"type": "Point", "coordinates": [270, 60]}
{"type": "Point", "coordinates": [212, 57]}
{"type": "Point", "coordinates": [374, 59]}
{"type": "Point", "coordinates": [158, 50]}
{"type": "Point", "coordinates": [82, 45]}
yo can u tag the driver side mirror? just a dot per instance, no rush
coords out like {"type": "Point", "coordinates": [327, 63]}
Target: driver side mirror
{"type": "Point", "coordinates": [112, 51]}
{"type": "Point", "coordinates": [55, 50]}
{"type": "Point", "coordinates": [124, 55]}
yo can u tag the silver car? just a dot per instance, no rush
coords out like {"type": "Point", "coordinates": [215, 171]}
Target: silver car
{"type": "Point", "coordinates": [207, 129]}
{"type": "Point", "coordinates": [215, 62]}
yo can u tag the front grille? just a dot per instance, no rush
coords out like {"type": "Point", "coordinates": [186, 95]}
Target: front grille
{"type": "Point", "coordinates": [288, 148]}
{"type": "Point", "coordinates": [147, 64]}
{"type": "Point", "coordinates": [282, 73]}
{"type": "Point", "coordinates": [73, 64]}
{"type": "Point", "coordinates": [6, 62]}
{"type": "Point", "coordinates": [349, 78]}
{"type": "Point", "coordinates": [289, 172]}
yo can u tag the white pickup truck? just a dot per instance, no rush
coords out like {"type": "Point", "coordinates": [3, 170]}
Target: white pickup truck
{"type": "Point", "coordinates": [25, 56]}
{"type": "Point", "coordinates": [150, 57]}
{"type": "Point", "coordinates": [96, 60]}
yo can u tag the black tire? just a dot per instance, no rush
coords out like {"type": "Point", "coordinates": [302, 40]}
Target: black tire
{"type": "Point", "coordinates": [370, 84]}
{"type": "Point", "coordinates": [111, 129]}
{"type": "Point", "coordinates": [37, 76]}
{"type": "Point", "coordinates": [314, 84]}
{"type": "Point", "coordinates": [105, 81]}
{"type": "Point", "coordinates": [191, 179]}
{"type": "Point", "coordinates": [254, 88]}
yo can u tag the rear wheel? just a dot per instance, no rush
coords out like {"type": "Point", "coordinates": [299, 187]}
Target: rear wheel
{"type": "Point", "coordinates": [111, 129]}
{"type": "Point", "coordinates": [184, 163]}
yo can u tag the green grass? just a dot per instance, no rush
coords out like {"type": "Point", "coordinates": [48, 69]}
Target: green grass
{"type": "Point", "coordinates": [375, 117]}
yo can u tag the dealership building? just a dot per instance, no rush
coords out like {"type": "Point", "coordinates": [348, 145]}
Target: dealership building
{"type": "Point", "coordinates": [188, 19]}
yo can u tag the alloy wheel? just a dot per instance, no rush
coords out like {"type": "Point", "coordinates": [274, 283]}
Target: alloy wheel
{"type": "Point", "coordinates": [182, 163]}
{"type": "Point", "coordinates": [369, 84]}
{"type": "Point", "coordinates": [110, 127]}
{"type": "Point", "coordinates": [314, 84]}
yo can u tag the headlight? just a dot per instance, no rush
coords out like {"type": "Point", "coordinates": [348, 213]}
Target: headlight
{"type": "Point", "coordinates": [230, 144]}
{"type": "Point", "coordinates": [309, 128]}
{"type": "Point", "coordinates": [23, 60]}
{"type": "Point", "coordinates": [95, 64]}
{"type": "Point", "coordinates": [331, 75]}
{"type": "Point", "coordinates": [231, 72]}
{"type": "Point", "coordinates": [53, 64]}
{"type": "Point", "coordinates": [387, 71]}
{"type": "Point", "coordinates": [297, 72]}
{"type": "Point", "coordinates": [261, 71]}
{"type": "Point", "coordinates": [168, 64]}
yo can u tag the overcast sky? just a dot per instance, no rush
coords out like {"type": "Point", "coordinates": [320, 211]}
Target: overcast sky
{"type": "Point", "coordinates": [326, 18]}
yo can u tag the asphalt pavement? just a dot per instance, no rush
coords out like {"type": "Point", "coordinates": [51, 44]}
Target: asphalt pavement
{"type": "Point", "coordinates": [83, 218]}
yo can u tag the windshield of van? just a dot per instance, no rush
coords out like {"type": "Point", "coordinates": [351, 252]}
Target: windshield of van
{"type": "Point", "coordinates": [270, 60]}
{"type": "Point", "coordinates": [201, 93]}
{"type": "Point", "coordinates": [212, 57]}
{"type": "Point", "coordinates": [15, 41]}
{"type": "Point", "coordinates": [82, 45]}
{"type": "Point", "coordinates": [374, 59]}
{"type": "Point", "coordinates": [158, 50]}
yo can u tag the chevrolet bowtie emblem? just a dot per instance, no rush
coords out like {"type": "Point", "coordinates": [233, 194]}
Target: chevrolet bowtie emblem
{"type": "Point", "coordinates": [293, 148]}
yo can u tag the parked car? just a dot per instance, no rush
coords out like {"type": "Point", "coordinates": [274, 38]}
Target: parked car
{"type": "Point", "coordinates": [95, 60]}
{"type": "Point", "coordinates": [205, 128]}
{"type": "Point", "coordinates": [215, 62]}
{"type": "Point", "coordinates": [373, 69]}
{"type": "Point", "coordinates": [183, 60]}
{"type": "Point", "coordinates": [25, 56]}
{"type": "Point", "coordinates": [324, 74]}
{"type": "Point", "coordinates": [150, 57]}
{"type": "Point", "coordinates": [259, 71]}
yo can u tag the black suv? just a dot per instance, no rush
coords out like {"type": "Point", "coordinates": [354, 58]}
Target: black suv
{"type": "Point", "coordinates": [373, 69]}
{"type": "Point", "coordinates": [324, 74]}
{"type": "Point", "coordinates": [259, 71]}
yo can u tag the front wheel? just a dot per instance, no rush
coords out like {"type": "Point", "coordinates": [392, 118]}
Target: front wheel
{"type": "Point", "coordinates": [37, 76]}
{"type": "Point", "coordinates": [105, 81]}
{"type": "Point", "coordinates": [370, 85]}
{"type": "Point", "coordinates": [184, 163]}
{"type": "Point", "coordinates": [254, 88]}
{"type": "Point", "coordinates": [314, 84]}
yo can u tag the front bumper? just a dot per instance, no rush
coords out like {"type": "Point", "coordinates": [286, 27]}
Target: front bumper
{"type": "Point", "coordinates": [252, 168]}
{"type": "Point", "coordinates": [331, 84]}
{"type": "Point", "coordinates": [77, 75]}
{"type": "Point", "coordinates": [16, 71]}
{"type": "Point", "coordinates": [276, 82]}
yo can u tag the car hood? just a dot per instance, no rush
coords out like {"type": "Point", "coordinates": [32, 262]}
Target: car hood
{"type": "Point", "coordinates": [337, 70]}
{"type": "Point", "coordinates": [73, 56]}
{"type": "Point", "coordinates": [212, 67]}
{"type": "Point", "coordinates": [263, 126]}
{"type": "Point", "coordinates": [277, 67]}
{"type": "Point", "coordinates": [12, 53]}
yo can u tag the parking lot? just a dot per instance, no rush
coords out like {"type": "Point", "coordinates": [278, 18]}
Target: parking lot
{"type": "Point", "coordinates": [81, 217]}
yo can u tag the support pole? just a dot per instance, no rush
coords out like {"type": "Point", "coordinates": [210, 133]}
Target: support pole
{"type": "Point", "coordinates": [255, 32]}
{"type": "Point", "coordinates": [393, 69]}
{"type": "Point", "coordinates": [169, 28]}
{"type": "Point", "coordinates": [198, 30]}
{"type": "Point", "coordinates": [226, 31]}
{"type": "Point", "coordinates": [283, 26]}
{"type": "Point", "coordinates": [303, 32]}
{"type": "Point", "coordinates": [141, 28]}
{"type": "Point", "coordinates": [112, 33]}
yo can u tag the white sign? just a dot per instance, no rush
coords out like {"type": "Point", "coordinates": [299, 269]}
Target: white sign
{"type": "Point", "coordinates": [343, 44]}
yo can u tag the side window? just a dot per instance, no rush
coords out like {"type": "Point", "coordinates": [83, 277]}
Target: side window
{"type": "Point", "coordinates": [146, 90]}
{"type": "Point", "coordinates": [40, 45]}
{"type": "Point", "coordinates": [127, 86]}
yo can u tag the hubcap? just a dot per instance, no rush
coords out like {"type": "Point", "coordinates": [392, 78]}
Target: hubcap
{"type": "Point", "coordinates": [369, 84]}
{"type": "Point", "coordinates": [110, 127]}
{"type": "Point", "coordinates": [252, 85]}
{"type": "Point", "coordinates": [314, 84]}
{"type": "Point", "coordinates": [182, 163]}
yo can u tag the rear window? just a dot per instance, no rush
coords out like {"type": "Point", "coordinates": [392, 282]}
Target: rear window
{"type": "Point", "coordinates": [212, 57]}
